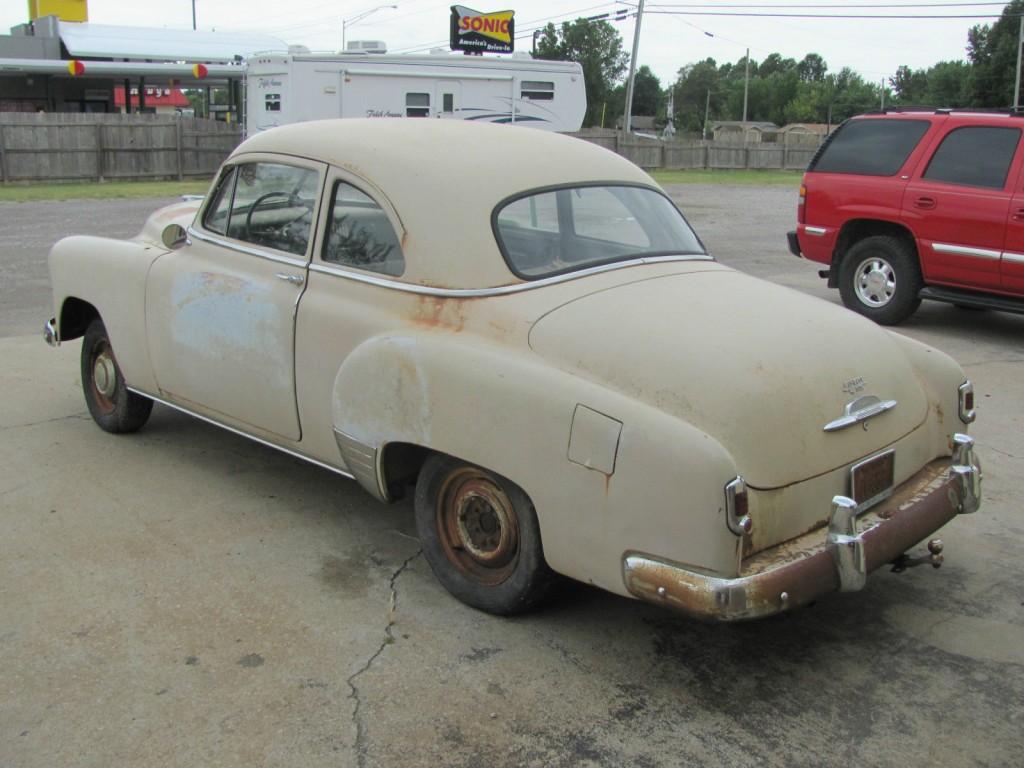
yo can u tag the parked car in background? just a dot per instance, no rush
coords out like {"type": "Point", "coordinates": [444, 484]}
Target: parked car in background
{"type": "Point", "coordinates": [522, 329]}
{"type": "Point", "coordinates": [905, 205]}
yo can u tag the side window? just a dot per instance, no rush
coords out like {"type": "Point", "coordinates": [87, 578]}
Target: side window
{"type": "Point", "coordinates": [975, 156]}
{"type": "Point", "coordinates": [537, 212]}
{"type": "Point", "coordinates": [876, 147]}
{"type": "Point", "coordinates": [417, 105]}
{"type": "Point", "coordinates": [597, 212]}
{"type": "Point", "coordinates": [537, 90]}
{"type": "Point", "coordinates": [273, 206]}
{"type": "Point", "coordinates": [360, 235]}
{"type": "Point", "coordinates": [216, 219]}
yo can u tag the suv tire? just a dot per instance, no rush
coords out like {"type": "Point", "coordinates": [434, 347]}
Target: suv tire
{"type": "Point", "coordinates": [879, 277]}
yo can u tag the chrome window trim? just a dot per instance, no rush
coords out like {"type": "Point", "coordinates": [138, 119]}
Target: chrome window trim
{"type": "Point", "coordinates": [816, 231]}
{"type": "Point", "coordinates": [501, 290]}
{"type": "Point", "coordinates": [1016, 258]}
{"type": "Point", "coordinates": [963, 250]}
{"type": "Point", "coordinates": [240, 433]}
{"type": "Point", "coordinates": [251, 251]}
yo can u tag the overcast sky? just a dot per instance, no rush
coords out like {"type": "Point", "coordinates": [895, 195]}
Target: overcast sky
{"type": "Point", "coordinates": [872, 47]}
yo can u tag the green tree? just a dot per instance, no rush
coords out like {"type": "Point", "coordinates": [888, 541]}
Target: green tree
{"type": "Point", "coordinates": [812, 68]}
{"type": "Point", "coordinates": [647, 93]}
{"type": "Point", "coordinates": [992, 50]}
{"type": "Point", "coordinates": [597, 46]}
{"type": "Point", "coordinates": [910, 85]}
{"type": "Point", "coordinates": [696, 85]}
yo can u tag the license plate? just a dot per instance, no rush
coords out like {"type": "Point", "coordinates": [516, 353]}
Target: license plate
{"type": "Point", "coordinates": [871, 480]}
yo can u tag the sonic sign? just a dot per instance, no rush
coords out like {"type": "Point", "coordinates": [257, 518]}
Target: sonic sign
{"type": "Point", "coordinates": [477, 32]}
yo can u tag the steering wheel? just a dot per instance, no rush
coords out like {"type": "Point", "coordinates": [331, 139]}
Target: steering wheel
{"type": "Point", "coordinates": [289, 197]}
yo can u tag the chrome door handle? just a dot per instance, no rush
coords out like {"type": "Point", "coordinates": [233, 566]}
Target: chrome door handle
{"type": "Point", "coordinates": [293, 279]}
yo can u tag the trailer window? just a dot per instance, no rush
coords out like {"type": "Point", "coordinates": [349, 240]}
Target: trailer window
{"type": "Point", "coordinates": [417, 105]}
{"type": "Point", "coordinates": [538, 90]}
{"type": "Point", "coordinates": [448, 103]}
{"type": "Point", "coordinates": [272, 102]}
{"type": "Point", "coordinates": [360, 235]}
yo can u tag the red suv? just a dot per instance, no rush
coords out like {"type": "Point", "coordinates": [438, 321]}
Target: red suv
{"type": "Point", "coordinates": [905, 205]}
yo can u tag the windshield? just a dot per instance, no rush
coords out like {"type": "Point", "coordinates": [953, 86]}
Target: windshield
{"type": "Point", "coordinates": [561, 230]}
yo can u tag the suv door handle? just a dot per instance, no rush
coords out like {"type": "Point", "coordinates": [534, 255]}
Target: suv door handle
{"type": "Point", "coordinates": [294, 279]}
{"type": "Point", "coordinates": [1018, 214]}
{"type": "Point", "coordinates": [926, 203]}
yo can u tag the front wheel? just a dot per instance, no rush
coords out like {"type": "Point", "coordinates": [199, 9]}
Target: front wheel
{"type": "Point", "coordinates": [480, 536]}
{"type": "Point", "coordinates": [112, 406]}
{"type": "Point", "coordinates": [879, 278]}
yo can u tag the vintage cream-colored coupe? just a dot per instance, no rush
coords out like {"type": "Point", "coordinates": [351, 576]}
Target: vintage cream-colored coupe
{"type": "Point", "coordinates": [524, 328]}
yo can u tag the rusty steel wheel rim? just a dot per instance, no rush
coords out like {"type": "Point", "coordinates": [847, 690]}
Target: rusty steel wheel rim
{"type": "Point", "coordinates": [477, 526]}
{"type": "Point", "coordinates": [103, 380]}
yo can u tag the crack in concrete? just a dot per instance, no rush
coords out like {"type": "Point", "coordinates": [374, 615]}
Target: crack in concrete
{"type": "Point", "coordinates": [389, 638]}
{"type": "Point", "coordinates": [79, 415]}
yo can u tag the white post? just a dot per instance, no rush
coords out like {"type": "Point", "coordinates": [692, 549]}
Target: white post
{"type": "Point", "coordinates": [627, 123]}
{"type": "Point", "coordinates": [1016, 87]}
{"type": "Point", "coordinates": [746, 87]}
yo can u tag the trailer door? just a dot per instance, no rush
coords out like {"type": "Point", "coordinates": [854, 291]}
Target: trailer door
{"type": "Point", "coordinates": [448, 100]}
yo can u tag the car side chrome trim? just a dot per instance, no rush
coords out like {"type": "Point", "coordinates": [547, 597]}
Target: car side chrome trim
{"type": "Point", "coordinates": [50, 333]}
{"type": "Point", "coordinates": [240, 433]}
{"type": "Point", "coordinates": [1016, 258]}
{"type": "Point", "coordinates": [259, 252]}
{"type": "Point", "coordinates": [817, 231]}
{"type": "Point", "coordinates": [501, 290]}
{"type": "Point", "coordinates": [963, 250]}
{"type": "Point", "coordinates": [861, 409]}
{"type": "Point", "coordinates": [363, 460]}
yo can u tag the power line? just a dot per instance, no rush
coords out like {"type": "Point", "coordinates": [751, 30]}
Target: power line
{"type": "Point", "coordinates": [832, 15]}
{"type": "Point", "coordinates": [817, 6]}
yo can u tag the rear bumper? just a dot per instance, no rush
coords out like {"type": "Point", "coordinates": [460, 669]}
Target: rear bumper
{"type": "Point", "coordinates": [838, 559]}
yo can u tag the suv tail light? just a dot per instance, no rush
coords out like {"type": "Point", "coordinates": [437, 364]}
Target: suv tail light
{"type": "Point", "coordinates": [801, 206]}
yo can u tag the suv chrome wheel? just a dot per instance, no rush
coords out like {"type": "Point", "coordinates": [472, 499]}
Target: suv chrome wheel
{"type": "Point", "coordinates": [875, 282]}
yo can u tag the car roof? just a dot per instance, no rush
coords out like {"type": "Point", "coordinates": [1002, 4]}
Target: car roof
{"type": "Point", "coordinates": [444, 179]}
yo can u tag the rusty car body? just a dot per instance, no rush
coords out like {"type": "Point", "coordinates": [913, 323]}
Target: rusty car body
{"type": "Point", "coordinates": [523, 328]}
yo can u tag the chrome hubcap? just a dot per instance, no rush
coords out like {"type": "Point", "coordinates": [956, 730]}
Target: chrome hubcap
{"type": "Point", "coordinates": [875, 282]}
{"type": "Point", "coordinates": [104, 374]}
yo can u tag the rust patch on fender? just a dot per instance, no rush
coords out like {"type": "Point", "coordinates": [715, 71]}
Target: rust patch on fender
{"type": "Point", "coordinates": [442, 313]}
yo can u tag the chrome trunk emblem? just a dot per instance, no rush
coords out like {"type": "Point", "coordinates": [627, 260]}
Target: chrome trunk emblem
{"type": "Point", "coordinates": [859, 410]}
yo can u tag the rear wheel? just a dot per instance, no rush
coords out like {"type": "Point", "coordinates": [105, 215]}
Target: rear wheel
{"type": "Point", "coordinates": [480, 536]}
{"type": "Point", "coordinates": [112, 406]}
{"type": "Point", "coordinates": [879, 278]}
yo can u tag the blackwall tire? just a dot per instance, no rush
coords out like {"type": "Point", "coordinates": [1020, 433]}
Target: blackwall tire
{"type": "Point", "coordinates": [480, 535]}
{"type": "Point", "coordinates": [879, 278]}
{"type": "Point", "coordinates": [111, 405]}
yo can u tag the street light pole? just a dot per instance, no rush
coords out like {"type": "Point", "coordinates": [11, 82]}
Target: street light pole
{"type": "Point", "coordinates": [193, 15]}
{"type": "Point", "coordinates": [357, 18]}
{"type": "Point", "coordinates": [1016, 87]}
{"type": "Point", "coordinates": [627, 123]}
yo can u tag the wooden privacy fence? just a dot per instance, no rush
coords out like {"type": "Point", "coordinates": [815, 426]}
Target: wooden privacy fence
{"type": "Point", "coordinates": [102, 147]}
{"type": "Point", "coordinates": [680, 154]}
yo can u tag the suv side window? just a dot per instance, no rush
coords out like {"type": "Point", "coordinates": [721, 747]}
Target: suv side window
{"type": "Point", "coordinates": [871, 147]}
{"type": "Point", "coordinates": [975, 156]}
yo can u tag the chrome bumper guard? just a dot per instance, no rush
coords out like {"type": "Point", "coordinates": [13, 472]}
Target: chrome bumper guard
{"type": "Point", "coordinates": [50, 332]}
{"type": "Point", "coordinates": [798, 572]}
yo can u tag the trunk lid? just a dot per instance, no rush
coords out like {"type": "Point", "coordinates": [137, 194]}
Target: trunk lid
{"type": "Point", "coordinates": [758, 367]}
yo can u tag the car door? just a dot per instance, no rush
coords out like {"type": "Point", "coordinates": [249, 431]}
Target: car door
{"type": "Point", "coordinates": [220, 311]}
{"type": "Point", "coordinates": [957, 205]}
{"type": "Point", "coordinates": [1011, 275]}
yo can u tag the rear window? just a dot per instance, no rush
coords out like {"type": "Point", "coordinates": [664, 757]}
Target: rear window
{"type": "Point", "coordinates": [561, 230]}
{"type": "Point", "coordinates": [871, 147]}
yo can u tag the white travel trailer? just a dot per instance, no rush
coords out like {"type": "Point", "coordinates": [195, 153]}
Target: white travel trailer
{"type": "Point", "coordinates": [517, 90]}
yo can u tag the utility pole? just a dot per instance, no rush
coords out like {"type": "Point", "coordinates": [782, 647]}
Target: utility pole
{"type": "Point", "coordinates": [746, 89]}
{"type": "Point", "coordinates": [883, 94]}
{"type": "Point", "coordinates": [1016, 87]}
{"type": "Point", "coordinates": [627, 123]}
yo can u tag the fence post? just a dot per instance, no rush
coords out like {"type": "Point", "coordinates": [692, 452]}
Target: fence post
{"type": "Point", "coordinates": [99, 152]}
{"type": "Point", "coordinates": [177, 145]}
{"type": "Point", "coordinates": [3, 156]}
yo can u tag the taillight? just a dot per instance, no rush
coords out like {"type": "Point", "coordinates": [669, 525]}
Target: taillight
{"type": "Point", "coordinates": [966, 392]}
{"type": "Point", "coordinates": [736, 506]}
{"type": "Point", "coordinates": [801, 206]}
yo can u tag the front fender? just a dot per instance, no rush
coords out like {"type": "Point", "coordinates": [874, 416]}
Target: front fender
{"type": "Point", "coordinates": [111, 276]}
{"type": "Point", "coordinates": [513, 413]}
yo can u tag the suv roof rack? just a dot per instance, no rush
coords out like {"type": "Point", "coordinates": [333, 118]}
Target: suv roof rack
{"type": "Point", "coordinates": [1011, 111]}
